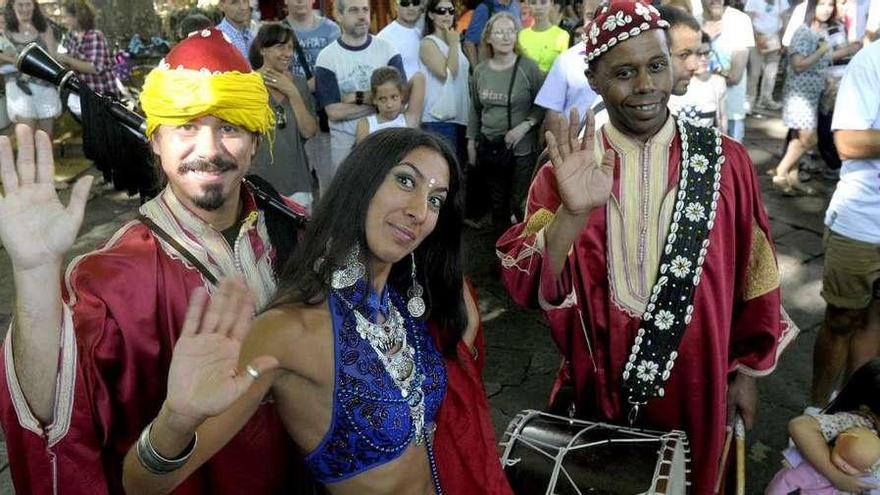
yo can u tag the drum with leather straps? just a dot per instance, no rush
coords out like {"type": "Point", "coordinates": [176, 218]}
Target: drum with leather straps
{"type": "Point", "coordinates": [555, 455]}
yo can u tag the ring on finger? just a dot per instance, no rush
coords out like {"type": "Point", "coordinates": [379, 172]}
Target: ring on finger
{"type": "Point", "coordinates": [252, 372]}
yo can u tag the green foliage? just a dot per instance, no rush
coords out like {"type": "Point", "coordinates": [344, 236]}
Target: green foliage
{"type": "Point", "coordinates": [119, 19]}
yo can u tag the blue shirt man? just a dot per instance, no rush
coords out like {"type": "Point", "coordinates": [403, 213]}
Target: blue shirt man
{"type": "Point", "coordinates": [236, 24]}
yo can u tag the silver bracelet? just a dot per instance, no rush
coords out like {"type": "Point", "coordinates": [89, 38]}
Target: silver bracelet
{"type": "Point", "coordinates": [153, 462]}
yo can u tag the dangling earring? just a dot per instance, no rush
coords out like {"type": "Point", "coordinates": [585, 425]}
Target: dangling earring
{"type": "Point", "coordinates": [415, 305]}
{"type": "Point", "coordinates": [350, 273]}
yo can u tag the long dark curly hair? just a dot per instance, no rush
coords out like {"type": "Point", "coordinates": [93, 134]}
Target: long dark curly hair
{"type": "Point", "coordinates": [38, 19]}
{"type": "Point", "coordinates": [339, 223]}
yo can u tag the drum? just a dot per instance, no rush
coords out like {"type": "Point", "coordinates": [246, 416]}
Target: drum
{"type": "Point", "coordinates": [554, 455]}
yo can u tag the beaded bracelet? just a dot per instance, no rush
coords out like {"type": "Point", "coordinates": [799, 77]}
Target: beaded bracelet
{"type": "Point", "coordinates": [155, 463]}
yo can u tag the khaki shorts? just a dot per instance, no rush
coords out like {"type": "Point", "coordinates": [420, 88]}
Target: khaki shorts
{"type": "Point", "coordinates": [852, 272]}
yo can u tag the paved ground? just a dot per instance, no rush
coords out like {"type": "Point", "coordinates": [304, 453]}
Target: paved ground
{"type": "Point", "coordinates": [521, 359]}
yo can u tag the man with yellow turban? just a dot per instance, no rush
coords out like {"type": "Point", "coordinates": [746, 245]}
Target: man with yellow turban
{"type": "Point", "coordinates": [85, 362]}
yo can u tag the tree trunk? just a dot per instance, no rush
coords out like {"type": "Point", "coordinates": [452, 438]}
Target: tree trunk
{"type": "Point", "coordinates": [120, 19]}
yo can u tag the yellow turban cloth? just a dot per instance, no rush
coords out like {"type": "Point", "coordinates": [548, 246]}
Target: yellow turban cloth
{"type": "Point", "coordinates": [176, 96]}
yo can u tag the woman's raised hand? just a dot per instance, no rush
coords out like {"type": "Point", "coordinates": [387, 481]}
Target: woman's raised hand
{"type": "Point", "coordinates": [278, 81]}
{"type": "Point", "coordinates": [204, 379]}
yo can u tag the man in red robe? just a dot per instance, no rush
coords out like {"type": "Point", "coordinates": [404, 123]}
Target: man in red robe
{"type": "Point", "coordinates": [85, 363]}
{"type": "Point", "coordinates": [646, 232]}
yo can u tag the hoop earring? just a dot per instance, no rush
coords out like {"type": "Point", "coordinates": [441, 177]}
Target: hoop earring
{"type": "Point", "coordinates": [415, 305]}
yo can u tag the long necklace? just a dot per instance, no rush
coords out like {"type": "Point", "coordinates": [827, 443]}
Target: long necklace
{"type": "Point", "coordinates": [397, 356]}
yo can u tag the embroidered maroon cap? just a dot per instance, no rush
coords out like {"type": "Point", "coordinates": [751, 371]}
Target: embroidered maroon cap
{"type": "Point", "coordinates": [618, 21]}
{"type": "Point", "coordinates": [207, 50]}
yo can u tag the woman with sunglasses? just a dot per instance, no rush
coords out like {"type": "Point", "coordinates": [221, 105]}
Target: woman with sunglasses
{"type": "Point", "coordinates": [446, 69]}
{"type": "Point", "coordinates": [283, 161]}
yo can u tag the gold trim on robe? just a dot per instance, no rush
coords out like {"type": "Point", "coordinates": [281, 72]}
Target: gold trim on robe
{"type": "Point", "coordinates": [638, 216]}
{"type": "Point", "coordinates": [538, 221]}
{"type": "Point", "coordinates": [762, 274]}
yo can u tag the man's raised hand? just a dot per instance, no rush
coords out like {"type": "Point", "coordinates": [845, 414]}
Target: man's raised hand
{"type": "Point", "coordinates": [35, 227]}
{"type": "Point", "coordinates": [582, 183]}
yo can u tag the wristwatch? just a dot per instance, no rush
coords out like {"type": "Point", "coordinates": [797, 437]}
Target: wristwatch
{"type": "Point", "coordinates": [359, 97]}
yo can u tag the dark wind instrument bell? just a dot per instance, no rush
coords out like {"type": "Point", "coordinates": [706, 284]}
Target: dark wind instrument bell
{"type": "Point", "coordinates": [36, 62]}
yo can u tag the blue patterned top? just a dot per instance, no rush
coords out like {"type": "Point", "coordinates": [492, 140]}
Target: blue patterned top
{"type": "Point", "coordinates": [370, 423]}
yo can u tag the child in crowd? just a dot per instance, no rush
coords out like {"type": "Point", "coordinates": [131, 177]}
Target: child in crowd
{"type": "Point", "coordinates": [850, 423]}
{"type": "Point", "coordinates": [389, 95]}
{"type": "Point", "coordinates": [704, 102]}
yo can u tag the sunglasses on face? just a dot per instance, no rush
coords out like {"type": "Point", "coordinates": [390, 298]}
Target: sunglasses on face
{"type": "Point", "coordinates": [444, 10]}
{"type": "Point", "coordinates": [280, 117]}
{"type": "Point", "coordinates": [506, 33]}
{"type": "Point", "coordinates": [410, 3]}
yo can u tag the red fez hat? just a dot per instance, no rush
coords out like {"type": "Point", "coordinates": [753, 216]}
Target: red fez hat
{"type": "Point", "coordinates": [617, 22]}
{"type": "Point", "coordinates": [208, 49]}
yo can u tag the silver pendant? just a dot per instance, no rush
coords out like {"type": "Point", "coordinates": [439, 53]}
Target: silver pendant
{"type": "Point", "coordinates": [416, 306]}
{"type": "Point", "coordinates": [349, 274]}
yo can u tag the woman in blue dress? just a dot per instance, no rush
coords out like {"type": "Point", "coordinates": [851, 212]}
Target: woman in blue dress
{"type": "Point", "coordinates": [343, 350]}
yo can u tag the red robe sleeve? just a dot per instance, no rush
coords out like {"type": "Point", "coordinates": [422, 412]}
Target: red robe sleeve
{"type": "Point", "coordinates": [464, 444]}
{"type": "Point", "coordinates": [527, 276]}
{"type": "Point", "coordinates": [521, 248]}
{"type": "Point", "coordinates": [116, 352]}
{"type": "Point", "coordinates": [125, 303]}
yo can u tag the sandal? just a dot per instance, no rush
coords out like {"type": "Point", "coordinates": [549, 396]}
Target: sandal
{"type": "Point", "coordinates": [798, 185]}
{"type": "Point", "coordinates": [783, 185]}
{"type": "Point", "coordinates": [801, 188]}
